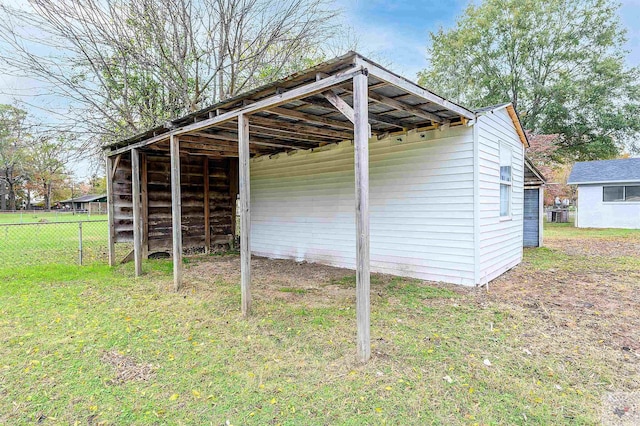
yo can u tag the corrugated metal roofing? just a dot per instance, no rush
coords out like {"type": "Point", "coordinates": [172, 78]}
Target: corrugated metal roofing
{"type": "Point", "coordinates": [605, 171]}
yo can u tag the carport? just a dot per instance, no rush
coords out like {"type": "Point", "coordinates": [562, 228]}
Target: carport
{"type": "Point", "coordinates": [174, 187]}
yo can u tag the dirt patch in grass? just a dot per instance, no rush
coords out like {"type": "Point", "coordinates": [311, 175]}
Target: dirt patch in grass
{"type": "Point", "coordinates": [610, 247]}
{"type": "Point", "coordinates": [126, 368]}
{"type": "Point", "coordinates": [586, 294]}
{"type": "Point", "coordinates": [317, 285]}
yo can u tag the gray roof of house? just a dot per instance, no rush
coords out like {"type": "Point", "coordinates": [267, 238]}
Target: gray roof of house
{"type": "Point", "coordinates": [85, 198]}
{"type": "Point", "coordinates": [605, 171]}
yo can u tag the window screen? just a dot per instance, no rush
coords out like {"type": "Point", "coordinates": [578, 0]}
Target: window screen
{"type": "Point", "coordinates": [632, 193]}
{"type": "Point", "coordinates": [613, 193]}
{"type": "Point", "coordinates": [505, 180]}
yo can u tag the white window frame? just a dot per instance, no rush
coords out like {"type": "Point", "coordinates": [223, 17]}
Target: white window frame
{"type": "Point", "coordinates": [624, 195]}
{"type": "Point", "coordinates": [509, 183]}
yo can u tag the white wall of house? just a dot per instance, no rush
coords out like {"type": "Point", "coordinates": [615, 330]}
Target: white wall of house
{"type": "Point", "coordinates": [595, 213]}
{"type": "Point", "coordinates": [500, 240]}
{"type": "Point", "coordinates": [421, 206]}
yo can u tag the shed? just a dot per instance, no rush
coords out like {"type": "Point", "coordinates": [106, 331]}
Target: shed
{"type": "Point", "coordinates": [345, 164]}
{"type": "Point", "coordinates": [533, 219]}
{"type": "Point", "coordinates": [608, 193]}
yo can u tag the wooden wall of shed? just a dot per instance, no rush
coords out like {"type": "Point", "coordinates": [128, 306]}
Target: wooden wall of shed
{"type": "Point", "coordinates": [221, 173]}
{"type": "Point", "coordinates": [122, 200]}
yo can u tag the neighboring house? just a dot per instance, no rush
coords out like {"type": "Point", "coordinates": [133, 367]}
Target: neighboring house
{"type": "Point", "coordinates": [446, 184]}
{"type": "Point", "coordinates": [608, 193]}
{"type": "Point", "coordinates": [83, 202]}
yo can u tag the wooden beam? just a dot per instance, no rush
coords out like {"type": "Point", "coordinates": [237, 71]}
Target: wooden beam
{"type": "Point", "coordinates": [340, 104]}
{"type": "Point", "coordinates": [207, 206]}
{"type": "Point", "coordinates": [137, 227]}
{"type": "Point", "coordinates": [176, 212]}
{"type": "Point", "coordinates": [245, 213]}
{"type": "Point", "coordinates": [233, 138]}
{"type": "Point", "coordinates": [144, 195]}
{"type": "Point", "coordinates": [377, 118]}
{"type": "Point", "coordinates": [115, 166]}
{"type": "Point", "coordinates": [110, 210]}
{"type": "Point", "coordinates": [404, 84]}
{"type": "Point", "coordinates": [286, 112]}
{"type": "Point", "coordinates": [266, 103]}
{"type": "Point", "coordinates": [301, 129]}
{"type": "Point", "coordinates": [233, 193]}
{"type": "Point", "coordinates": [401, 106]}
{"type": "Point", "coordinates": [361, 157]}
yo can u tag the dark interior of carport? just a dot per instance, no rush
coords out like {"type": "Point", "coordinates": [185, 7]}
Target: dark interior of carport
{"type": "Point", "coordinates": [174, 188]}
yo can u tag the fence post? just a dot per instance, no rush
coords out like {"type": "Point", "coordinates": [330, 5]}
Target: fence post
{"type": "Point", "coordinates": [80, 243]}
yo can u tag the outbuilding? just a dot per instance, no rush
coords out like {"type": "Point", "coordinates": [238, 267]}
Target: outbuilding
{"type": "Point", "coordinates": [608, 193]}
{"type": "Point", "coordinates": [534, 183]}
{"type": "Point", "coordinates": [345, 164]}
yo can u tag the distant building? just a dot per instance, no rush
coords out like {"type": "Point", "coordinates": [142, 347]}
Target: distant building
{"type": "Point", "coordinates": [608, 193]}
{"type": "Point", "coordinates": [84, 202]}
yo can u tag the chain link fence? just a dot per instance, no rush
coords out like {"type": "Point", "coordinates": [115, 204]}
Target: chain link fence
{"type": "Point", "coordinates": [74, 242]}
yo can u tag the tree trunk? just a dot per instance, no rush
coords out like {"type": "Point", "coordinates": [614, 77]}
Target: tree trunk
{"type": "Point", "coordinates": [47, 196]}
{"type": "Point", "coordinates": [12, 196]}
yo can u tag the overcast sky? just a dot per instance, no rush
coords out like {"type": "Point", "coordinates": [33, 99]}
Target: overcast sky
{"type": "Point", "coordinates": [393, 32]}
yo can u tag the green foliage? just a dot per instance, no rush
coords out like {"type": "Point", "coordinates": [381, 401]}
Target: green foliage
{"type": "Point", "coordinates": [12, 150]}
{"type": "Point", "coordinates": [560, 62]}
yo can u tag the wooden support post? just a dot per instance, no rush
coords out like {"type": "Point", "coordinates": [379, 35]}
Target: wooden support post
{"type": "Point", "coordinates": [110, 211]}
{"type": "Point", "coordinates": [176, 212]}
{"type": "Point", "coordinates": [233, 193]}
{"type": "Point", "coordinates": [207, 206]}
{"type": "Point", "coordinates": [361, 154]}
{"type": "Point", "coordinates": [144, 195]}
{"type": "Point", "coordinates": [245, 213]}
{"type": "Point", "coordinates": [135, 195]}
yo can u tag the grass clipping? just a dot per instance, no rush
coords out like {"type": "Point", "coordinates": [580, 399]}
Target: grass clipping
{"type": "Point", "coordinates": [126, 368]}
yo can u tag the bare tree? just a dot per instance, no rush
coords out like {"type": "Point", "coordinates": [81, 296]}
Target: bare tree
{"type": "Point", "coordinates": [127, 65]}
{"type": "Point", "coordinates": [12, 152]}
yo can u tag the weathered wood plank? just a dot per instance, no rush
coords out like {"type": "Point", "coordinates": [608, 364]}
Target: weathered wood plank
{"type": "Point", "coordinates": [361, 154]}
{"type": "Point", "coordinates": [245, 213]}
{"type": "Point", "coordinates": [137, 227]}
{"type": "Point", "coordinates": [144, 195]}
{"type": "Point", "coordinates": [110, 211]}
{"type": "Point", "coordinates": [176, 210]}
{"type": "Point", "coordinates": [207, 209]}
{"type": "Point", "coordinates": [266, 103]}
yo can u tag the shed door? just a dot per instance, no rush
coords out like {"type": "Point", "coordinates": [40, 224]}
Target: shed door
{"type": "Point", "coordinates": [531, 217]}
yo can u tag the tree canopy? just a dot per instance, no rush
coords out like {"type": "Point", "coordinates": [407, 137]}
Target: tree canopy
{"type": "Point", "coordinates": [124, 66]}
{"type": "Point", "coordinates": [560, 62]}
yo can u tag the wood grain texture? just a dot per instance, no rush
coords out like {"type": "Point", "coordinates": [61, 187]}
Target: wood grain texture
{"type": "Point", "coordinates": [176, 213]}
{"type": "Point", "coordinates": [361, 156]}
{"type": "Point", "coordinates": [110, 212]}
{"type": "Point", "coordinates": [245, 213]}
{"type": "Point", "coordinates": [137, 227]}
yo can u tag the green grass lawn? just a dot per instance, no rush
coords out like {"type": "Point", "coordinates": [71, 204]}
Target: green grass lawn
{"type": "Point", "coordinates": [43, 216]}
{"type": "Point", "coordinates": [94, 345]}
{"type": "Point", "coordinates": [567, 230]}
{"type": "Point", "coordinates": [45, 243]}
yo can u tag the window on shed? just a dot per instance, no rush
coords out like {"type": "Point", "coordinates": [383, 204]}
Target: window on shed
{"type": "Point", "coordinates": [632, 193]}
{"type": "Point", "coordinates": [505, 180]}
{"type": "Point", "coordinates": [613, 193]}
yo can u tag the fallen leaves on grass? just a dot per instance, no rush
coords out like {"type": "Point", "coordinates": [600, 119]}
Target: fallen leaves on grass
{"type": "Point", "coordinates": [126, 367]}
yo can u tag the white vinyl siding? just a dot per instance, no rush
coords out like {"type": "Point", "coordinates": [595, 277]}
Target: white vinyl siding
{"type": "Point", "coordinates": [500, 237]}
{"type": "Point", "coordinates": [593, 212]}
{"type": "Point", "coordinates": [421, 206]}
